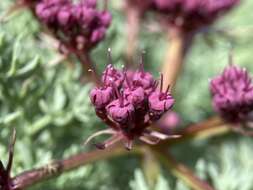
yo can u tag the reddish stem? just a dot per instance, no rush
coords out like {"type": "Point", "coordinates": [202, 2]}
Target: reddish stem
{"type": "Point", "coordinates": [87, 65]}
{"type": "Point", "coordinates": [29, 178]}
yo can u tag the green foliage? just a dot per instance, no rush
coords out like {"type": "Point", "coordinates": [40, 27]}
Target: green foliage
{"type": "Point", "coordinates": [47, 104]}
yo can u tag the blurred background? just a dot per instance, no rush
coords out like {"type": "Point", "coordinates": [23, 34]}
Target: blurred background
{"type": "Point", "coordinates": [44, 100]}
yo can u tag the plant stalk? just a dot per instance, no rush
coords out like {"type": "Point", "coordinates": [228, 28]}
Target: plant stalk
{"type": "Point", "coordinates": [212, 127]}
{"type": "Point", "coordinates": [182, 172]}
{"type": "Point", "coordinates": [34, 176]}
{"type": "Point", "coordinates": [133, 27]}
{"type": "Point", "coordinates": [179, 44]}
{"type": "Point", "coordinates": [89, 69]}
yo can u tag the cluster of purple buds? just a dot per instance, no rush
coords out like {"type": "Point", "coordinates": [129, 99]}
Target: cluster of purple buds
{"type": "Point", "coordinates": [79, 25]}
{"type": "Point", "coordinates": [128, 102]}
{"type": "Point", "coordinates": [191, 15]}
{"type": "Point", "coordinates": [232, 94]}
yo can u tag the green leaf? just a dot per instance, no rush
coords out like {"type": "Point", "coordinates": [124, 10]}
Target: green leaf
{"type": "Point", "coordinates": [28, 68]}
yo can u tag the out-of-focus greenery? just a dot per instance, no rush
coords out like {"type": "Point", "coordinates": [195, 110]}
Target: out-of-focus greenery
{"type": "Point", "coordinates": [50, 110]}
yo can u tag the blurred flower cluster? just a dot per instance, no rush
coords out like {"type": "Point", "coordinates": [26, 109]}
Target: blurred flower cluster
{"type": "Point", "coordinates": [191, 15]}
{"type": "Point", "coordinates": [232, 93]}
{"type": "Point", "coordinates": [78, 25]}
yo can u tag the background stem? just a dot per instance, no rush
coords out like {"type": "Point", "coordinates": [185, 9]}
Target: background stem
{"type": "Point", "coordinates": [182, 172]}
{"type": "Point", "coordinates": [133, 27]}
{"type": "Point", "coordinates": [212, 127]}
{"type": "Point", "coordinates": [87, 66]}
{"type": "Point", "coordinates": [179, 43]}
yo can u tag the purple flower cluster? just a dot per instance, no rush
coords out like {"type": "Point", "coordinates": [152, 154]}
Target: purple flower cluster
{"type": "Point", "coordinates": [79, 25]}
{"type": "Point", "coordinates": [190, 15]}
{"type": "Point", "coordinates": [129, 101]}
{"type": "Point", "coordinates": [232, 94]}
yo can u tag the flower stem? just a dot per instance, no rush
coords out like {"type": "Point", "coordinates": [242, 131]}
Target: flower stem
{"type": "Point", "coordinates": [212, 127]}
{"type": "Point", "coordinates": [133, 27]}
{"type": "Point", "coordinates": [87, 66]}
{"type": "Point", "coordinates": [34, 176]}
{"type": "Point", "coordinates": [182, 172]}
{"type": "Point", "coordinates": [179, 44]}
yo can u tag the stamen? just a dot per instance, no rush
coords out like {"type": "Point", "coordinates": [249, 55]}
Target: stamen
{"type": "Point", "coordinates": [129, 145]}
{"type": "Point", "coordinates": [106, 131]}
{"type": "Point", "coordinates": [155, 84]}
{"type": "Point", "coordinates": [161, 83]}
{"type": "Point", "coordinates": [127, 80]}
{"type": "Point", "coordinates": [106, 74]}
{"type": "Point", "coordinates": [118, 94]}
{"type": "Point", "coordinates": [168, 89]}
{"type": "Point", "coordinates": [149, 141]}
{"type": "Point", "coordinates": [110, 56]}
{"type": "Point", "coordinates": [141, 67]}
{"type": "Point", "coordinates": [114, 139]}
{"type": "Point", "coordinates": [163, 136]}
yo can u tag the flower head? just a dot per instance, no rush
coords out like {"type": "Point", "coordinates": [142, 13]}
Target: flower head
{"type": "Point", "coordinates": [101, 96]}
{"type": "Point", "coordinates": [80, 26]}
{"type": "Point", "coordinates": [131, 102]}
{"type": "Point", "coordinates": [191, 15]}
{"type": "Point", "coordinates": [120, 111]}
{"type": "Point", "coordinates": [232, 94]}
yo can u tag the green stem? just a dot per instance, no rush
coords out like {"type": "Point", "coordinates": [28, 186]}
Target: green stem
{"type": "Point", "coordinates": [182, 172]}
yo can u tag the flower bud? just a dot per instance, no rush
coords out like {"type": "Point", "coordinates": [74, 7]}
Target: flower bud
{"type": "Point", "coordinates": [98, 35]}
{"type": "Point", "coordinates": [144, 80]}
{"type": "Point", "coordinates": [159, 103]}
{"type": "Point", "coordinates": [101, 97]}
{"type": "Point", "coordinates": [63, 16]}
{"type": "Point", "coordinates": [120, 112]}
{"type": "Point", "coordinates": [106, 19]}
{"type": "Point", "coordinates": [135, 96]}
